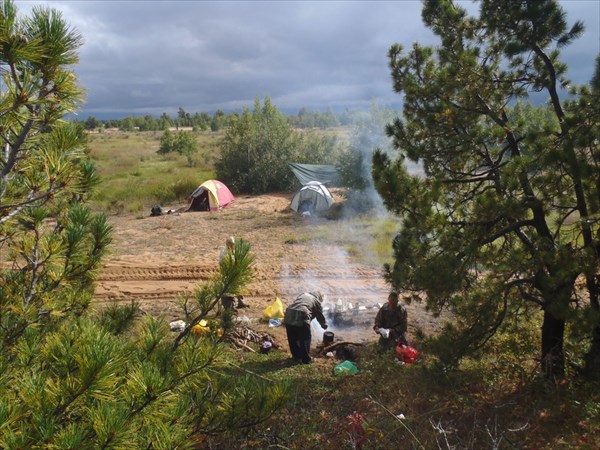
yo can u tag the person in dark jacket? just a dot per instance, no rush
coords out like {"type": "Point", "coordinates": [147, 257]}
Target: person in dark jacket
{"type": "Point", "coordinates": [391, 323]}
{"type": "Point", "coordinates": [297, 318]}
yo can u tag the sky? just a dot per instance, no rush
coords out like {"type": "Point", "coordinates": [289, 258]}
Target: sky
{"type": "Point", "coordinates": [152, 57]}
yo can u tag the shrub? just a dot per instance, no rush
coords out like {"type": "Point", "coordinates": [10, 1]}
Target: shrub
{"type": "Point", "coordinates": [259, 145]}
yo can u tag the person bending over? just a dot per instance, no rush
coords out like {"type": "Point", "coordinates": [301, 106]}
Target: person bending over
{"type": "Point", "coordinates": [297, 318]}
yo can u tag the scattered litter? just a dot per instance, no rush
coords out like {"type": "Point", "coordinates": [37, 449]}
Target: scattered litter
{"type": "Point", "coordinates": [156, 211]}
{"type": "Point", "coordinates": [266, 345]}
{"type": "Point", "coordinates": [406, 353]}
{"type": "Point", "coordinates": [200, 329]}
{"type": "Point", "coordinates": [274, 310]}
{"type": "Point", "coordinates": [275, 322]}
{"type": "Point", "coordinates": [243, 319]}
{"type": "Point", "coordinates": [345, 368]}
{"type": "Point", "coordinates": [329, 354]}
{"type": "Point", "coordinates": [400, 416]}
{"type": "Point", "coordinates": [177, 325]}
{"type": "Point", "coordinates": [241, 336]}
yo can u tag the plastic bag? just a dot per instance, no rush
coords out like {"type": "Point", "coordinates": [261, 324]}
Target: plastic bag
{"type": "Point", "coordinates": [177, 325]}
{"type": "Point", "coordinates": [384, 332]}
{"type": "Point", "coordinates": [274, 310]}
{"type": "Point", "coordinates": [200, 329]}
{"type": "Point", "coordinates": [347, 367]}
{"type": "Point", "coordinates": [275, 322]}
{"type": "Point", "coordinates": [406, 353]}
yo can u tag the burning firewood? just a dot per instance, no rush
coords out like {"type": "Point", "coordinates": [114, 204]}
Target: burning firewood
{"type": "Point", "coordinates": [332, 347]}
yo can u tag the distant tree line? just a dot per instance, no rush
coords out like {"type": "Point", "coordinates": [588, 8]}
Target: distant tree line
{"type": "Point", "coordinates": [204, 121]}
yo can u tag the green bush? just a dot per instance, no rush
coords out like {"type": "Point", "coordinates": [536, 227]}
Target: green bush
{"type": "Point", "coordinates": [259, 145]}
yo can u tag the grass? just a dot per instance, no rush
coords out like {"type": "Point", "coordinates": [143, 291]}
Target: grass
{"type": "Point", "coordinates": [439, 408]}
{"type": "Point", "coordinates": [135, 176]}
{"type": "Point", "coordinates": [366, 238]}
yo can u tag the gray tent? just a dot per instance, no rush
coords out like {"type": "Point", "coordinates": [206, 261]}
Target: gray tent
{"type": "Point", "coordinates": [313, 197]}
{"type": "Point", "coordinates": [315, 172]}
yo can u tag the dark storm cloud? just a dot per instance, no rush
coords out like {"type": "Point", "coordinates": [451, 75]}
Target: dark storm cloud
{"type": "Point", "coordinates": [156, 56]}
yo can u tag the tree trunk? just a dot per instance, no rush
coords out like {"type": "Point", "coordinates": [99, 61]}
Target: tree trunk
{"type": "Point", "coordinates": [592, 358]}
{"type": "Point", "coordinates": [553, 356]}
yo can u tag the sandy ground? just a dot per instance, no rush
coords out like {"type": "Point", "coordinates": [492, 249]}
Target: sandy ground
{"type": "Point", "coordinates": [157, 260]}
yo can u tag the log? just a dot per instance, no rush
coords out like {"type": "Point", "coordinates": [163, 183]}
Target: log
{"type": "Point", "coordinates": [242, 345]}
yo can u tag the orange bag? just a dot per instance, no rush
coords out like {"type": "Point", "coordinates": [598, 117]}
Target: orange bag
{"type": "Point", "coordinates": [406, 353]}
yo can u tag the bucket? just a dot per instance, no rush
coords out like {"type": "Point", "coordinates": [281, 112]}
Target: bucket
{"type": "Point", "coordinates": [328, 338]}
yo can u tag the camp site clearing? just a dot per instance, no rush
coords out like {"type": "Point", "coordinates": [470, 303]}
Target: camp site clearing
{"type": "Point", "coordinates": [157, 260]}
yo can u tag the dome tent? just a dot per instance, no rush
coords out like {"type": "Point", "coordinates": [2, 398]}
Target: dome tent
{"type": "Point", "coordinates": [312, 197]}
{"type": "Point", "coordinates": [210, 196]}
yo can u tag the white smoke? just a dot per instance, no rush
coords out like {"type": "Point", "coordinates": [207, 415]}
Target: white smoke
{"type": "Point", "coordinates": [328, 269]}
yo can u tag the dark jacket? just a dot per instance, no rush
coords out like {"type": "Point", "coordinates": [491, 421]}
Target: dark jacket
{"type": "Point", "coordinates": [303, 310]}
{"type": "Point", "coordinates": [396, 321]}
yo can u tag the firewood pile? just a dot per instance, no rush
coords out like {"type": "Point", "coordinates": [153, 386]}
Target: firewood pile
{"type": "Point", "coordinates": [240, 336]}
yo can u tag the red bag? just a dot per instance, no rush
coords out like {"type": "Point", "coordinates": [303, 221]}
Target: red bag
{"type": "Point", "coordinates": [406, 353]}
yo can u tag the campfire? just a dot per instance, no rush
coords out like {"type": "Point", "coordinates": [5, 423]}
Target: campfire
{"type": "Point", "coordinates": [347, 314]}
{"type": "Point", "coordinates": [353, 325]}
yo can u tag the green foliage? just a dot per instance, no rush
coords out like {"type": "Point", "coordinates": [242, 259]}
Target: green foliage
{"type": "Point", "coordinates": [505, 215]}
{"type": "Point", "coordinates": [314, 119]}
{"type": "Point", "coordinates": [91, 123]}
{"type": "Point", "coordinates": [259, 145]}
{"type": "Point", "coordinates": [367, 135]}
{"type": "Point", "coordinates": [182, 142]}
{"type": "Point", "coordinates": [70, 378]}
{"type": "Point", "coordinates": [53, 243]}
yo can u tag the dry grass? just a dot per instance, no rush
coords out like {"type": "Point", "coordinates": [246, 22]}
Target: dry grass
{"type": "Point", "coordinates": [135, 176]}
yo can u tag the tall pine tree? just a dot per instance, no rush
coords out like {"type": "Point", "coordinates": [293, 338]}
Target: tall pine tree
{"type": "Point", "coordinates": [505, 220]}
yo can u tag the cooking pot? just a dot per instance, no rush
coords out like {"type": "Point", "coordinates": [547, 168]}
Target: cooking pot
{"type": "Point", "coordinates": [328, 338]}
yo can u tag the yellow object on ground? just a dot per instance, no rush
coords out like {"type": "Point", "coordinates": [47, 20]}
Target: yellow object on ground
{"type": "Point", "coordinates": [200, 329]}
{"type": "Point", "coordinates": [274, 310]}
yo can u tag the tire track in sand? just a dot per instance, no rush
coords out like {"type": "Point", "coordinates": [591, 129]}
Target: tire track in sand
{"type": "Point", "coordinates": [159, 288]}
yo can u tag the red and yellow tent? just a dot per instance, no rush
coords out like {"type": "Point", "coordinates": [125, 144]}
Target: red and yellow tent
{"type": "Point", "coordinates": [210, 196]}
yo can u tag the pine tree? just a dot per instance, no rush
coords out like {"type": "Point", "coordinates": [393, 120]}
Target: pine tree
{"type": "Point", "coordinates": [71, 377]}
{"type": "Point", "coordinates": [504, 221]}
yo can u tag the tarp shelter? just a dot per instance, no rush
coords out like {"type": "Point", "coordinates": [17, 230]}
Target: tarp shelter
{"type": "Point", "coordinates": [314, 172]}
{"type": "Point", "coordinates": [312, 197]}
{"type": "Point", "coordinates": [210, 196]}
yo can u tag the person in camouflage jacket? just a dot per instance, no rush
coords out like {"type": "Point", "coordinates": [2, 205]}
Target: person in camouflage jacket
{"type": "Point", "coordinates": [297, 319]}
{"type": "Point", "coordinates": [391, 323]}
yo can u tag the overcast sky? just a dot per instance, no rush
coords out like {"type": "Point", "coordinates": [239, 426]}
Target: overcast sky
{"type": "Point", "coordinates": [150, 57]}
